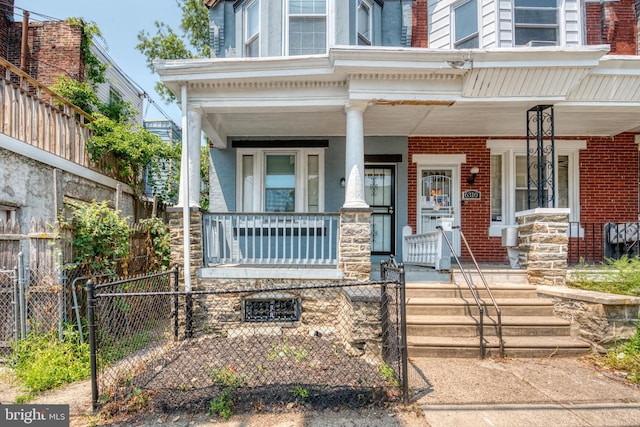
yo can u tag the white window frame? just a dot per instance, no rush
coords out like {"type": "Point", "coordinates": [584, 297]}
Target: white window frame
{"type": "Point", "coordinates": [471, 36]}
{"type": "Point", "coordinates": [259, 176]}
{"type": "Point", "coordinates": [359, 36]}
{"type": "Point", "coordinates": [287, 18]}
{"type": "Point", "coordinates": [250, 38]}
{"type": "Point", "coordinates": [557, 25]}
{"type": "Point", "coordinates": [508, 150]}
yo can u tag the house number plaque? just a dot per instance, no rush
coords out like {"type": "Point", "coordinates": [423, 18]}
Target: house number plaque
{"type": "Point", "coordinates": [471, 195]}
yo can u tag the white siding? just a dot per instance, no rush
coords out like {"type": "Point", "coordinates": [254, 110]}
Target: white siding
{"type": "Point", "coordinates": [505, 13]}
{"type": "Point", "coordinates": [487, 25]}
{"type": "Point", "coordinates": [439, 13]}
{"type": "Point", "coordinates": [572, 31]}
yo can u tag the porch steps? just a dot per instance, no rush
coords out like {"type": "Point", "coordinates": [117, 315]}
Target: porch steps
{"type": "Point", "coordinates": [443, 321]}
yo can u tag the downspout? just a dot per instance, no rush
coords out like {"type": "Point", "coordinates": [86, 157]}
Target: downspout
{"type": "Point", "coordinates": [184, 184]}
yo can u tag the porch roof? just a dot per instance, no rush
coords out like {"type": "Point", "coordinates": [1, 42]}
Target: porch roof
{"type": "Point", "coordinates": [411, 91]}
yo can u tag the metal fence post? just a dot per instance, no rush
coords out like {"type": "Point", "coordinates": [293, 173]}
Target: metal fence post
{"type": "Point", "coordinates": [189, 316]}
{"type": "Point", "coordinates": [61, 298]}
{"type": "Point", "coordinates": [92, 343]}
{"type": "Point", "coordinates": [176, 306]}
{"type": "Point", "coordinates": [22, 296]}
{"type": "Point", "coordinates": [16, 307]}
{"type": "Point", "coordinates": [403, 339]}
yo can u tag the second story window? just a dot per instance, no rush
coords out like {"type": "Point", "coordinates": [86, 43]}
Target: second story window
{"type": "Point", "coordinates": [364, 23]}
{"type": "Point", "coordinates": [465, 17]}
{"type": "Point", "coordinates": [536, 22]}
{"type": "Point", "coordinates": [252, 29]}
{"type": "Point", "coordinates": [307, 27]}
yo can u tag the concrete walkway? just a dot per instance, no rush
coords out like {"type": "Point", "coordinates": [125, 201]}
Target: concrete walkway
{"type": "Point", "coordinates": [522, 392]}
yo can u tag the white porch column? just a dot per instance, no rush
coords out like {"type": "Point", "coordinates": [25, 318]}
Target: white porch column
{"type": "Point", "coordinates": [354, 157]}
{"type": "Point", "coordinates": [191, 163]}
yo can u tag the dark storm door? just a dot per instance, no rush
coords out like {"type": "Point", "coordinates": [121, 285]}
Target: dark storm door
{"type": "Point", "coordinates": [380, 195]}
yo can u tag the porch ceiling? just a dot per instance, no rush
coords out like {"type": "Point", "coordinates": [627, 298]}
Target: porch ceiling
{"type": "Point", "coordinates": [412, 92]}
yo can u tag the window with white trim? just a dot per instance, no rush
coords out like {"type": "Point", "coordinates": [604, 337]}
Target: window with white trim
{"type": "Point", "coordinates": [536, 22]}
{"type": "Point", "coordinates": [307, 26]}
{"type": "Point", "coordinates": [509, 180]}
{"type": "Point", "coordinates": [252, 29]}
{"type": "Point", "coordinates": [280, 180]}
{"type": "Point", "coordinates": [363, 24]}
{"type": "Point", "coordinates": [465, 21]}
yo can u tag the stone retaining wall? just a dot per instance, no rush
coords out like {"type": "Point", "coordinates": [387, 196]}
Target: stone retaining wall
{"type": "Point", "coordinates": [601, 319]}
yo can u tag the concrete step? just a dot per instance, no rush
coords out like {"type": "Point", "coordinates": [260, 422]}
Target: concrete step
{"type": "Point", "coordinates": [466, 326]}
{"type": "Point", "coordinates": [447, 290]}
{"type": "Point", "coordinates": [462, 306]}
{"type": "Point", "coordinates": [451, 346]}
{"type": "Point", "coordinates": [493, 276]}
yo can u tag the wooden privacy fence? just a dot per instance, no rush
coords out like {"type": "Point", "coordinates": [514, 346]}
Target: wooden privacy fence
{"type": "Point", "coordinates": [34, 114]}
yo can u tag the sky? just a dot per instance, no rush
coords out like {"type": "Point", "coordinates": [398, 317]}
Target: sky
{"type": "Point", "coordinates": [120, 21]}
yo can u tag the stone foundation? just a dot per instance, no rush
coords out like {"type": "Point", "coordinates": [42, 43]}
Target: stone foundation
{"type": "Point", "coordinates": [354, 252]}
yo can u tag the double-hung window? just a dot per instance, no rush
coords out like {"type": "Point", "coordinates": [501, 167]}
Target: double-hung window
{"type": "Point", "coordinates": [536, 22]}
{"type": "Point", "coordinates": [307, 27]}
{"type": "Point", "coordinates": [364, 23]}
{"type": "Point", "coordinates": [280, 180]}
{"type": "Point", "coordinates": [509, 193]}
{"type": "Point", "coordinates": [252, 29]}
{"type": "Point", "coordinates": [465, 21]}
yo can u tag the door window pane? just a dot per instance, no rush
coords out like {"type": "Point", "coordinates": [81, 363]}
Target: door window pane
{"type": "Point", "coordinates": [313, 183]}
{"type": "Point", "coordinates": [280, 183]}
{"type": "Point", "coordinates": [496, 188]}
{"type": "Point", "coordinates": [247, 183]}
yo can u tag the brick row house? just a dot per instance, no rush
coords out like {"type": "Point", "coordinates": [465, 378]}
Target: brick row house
{"type": "Point", "coordinates": [349, 126]}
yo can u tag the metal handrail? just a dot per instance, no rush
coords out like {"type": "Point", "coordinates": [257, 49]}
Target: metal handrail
{"type": "Point", "coordinates": [488, 289]}
{"type": "Point", "coordinates": [472, 289]}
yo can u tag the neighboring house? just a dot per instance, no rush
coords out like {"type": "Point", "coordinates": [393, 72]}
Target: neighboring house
{"type": "Point", "coordinates": [163, 185]}
{"type": "Point", "coordinates": [402, 112]}
{"type": "Point", "coordinates": [43, 156]}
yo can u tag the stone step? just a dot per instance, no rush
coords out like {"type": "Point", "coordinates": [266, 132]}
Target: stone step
{"type": "Point", "coordinates": [444, 290]}
{"type": "Point", "coordinates": [462, 306]}
{"type": "Point", "coordinates": [451, 346]}
{"type": "Point", "coordinates": [493, 276]}
{"type": "Point", "coordinates": [466, 326]}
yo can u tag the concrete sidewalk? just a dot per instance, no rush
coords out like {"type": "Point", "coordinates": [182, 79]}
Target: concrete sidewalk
{"type": "Point", "coordinates": [521, 392]}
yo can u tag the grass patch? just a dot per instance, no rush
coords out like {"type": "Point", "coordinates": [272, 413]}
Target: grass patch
{"type": "Point", "coordinates": [43, 362]}
{"type": "Point", "coordinates": [614, 276]}
{"type": "Point", "coordinates": [626, 358]}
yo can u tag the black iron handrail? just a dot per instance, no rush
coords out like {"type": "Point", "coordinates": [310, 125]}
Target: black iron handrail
{"type": "Point", "coordinates": [472, 289]}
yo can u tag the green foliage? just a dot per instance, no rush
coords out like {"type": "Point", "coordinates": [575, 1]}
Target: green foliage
{"type": "Point", "coordinates": [43, 362]}
{"type": "Point", "coordinates": [132, 146]}
{"type": "Point", "coordinates": [222, 405]}
{"type": "Point", "coordinates": [93, 67]}
{"type": "Point", "coordinates": [167, 44]}
{"type": "Point", "coordinates": [227, 377]}
{"type": "Point", "coordinates": [80, 94]}
{"type": "Point", "coordinates": [101, 235]}
{"type": "Point", "coordinates": [300, 393]}
{"type": "Point", "coordinates": [159, 239]}
{"type": "Point", "coordinates": [389, 375]}
{"type": "Point", "coordinates": [615, 276]}
{"type": "Point", "coordinates": [626, 357]}
{"type": "Point", "coordinates": [204, 177]}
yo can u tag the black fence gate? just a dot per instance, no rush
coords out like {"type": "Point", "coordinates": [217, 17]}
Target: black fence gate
{"type": "Point", "coordinates": [300, 343]}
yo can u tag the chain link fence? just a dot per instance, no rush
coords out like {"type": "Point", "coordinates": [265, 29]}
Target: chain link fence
{"type": "Point", "coordinates": [315, 344]}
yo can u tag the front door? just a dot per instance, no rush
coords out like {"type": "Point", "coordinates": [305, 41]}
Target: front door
{"type": "Point", "coordinates": [379, 193]}
{"type": "Point", "coordinates": [438, 198]}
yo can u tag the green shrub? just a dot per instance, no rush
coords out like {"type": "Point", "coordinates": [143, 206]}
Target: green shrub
{"type": "Point", "coordinates": [626, 357]}
{"type": "Point", "coordinates": [615, 276]}
{"type": "Point", "coordinates": [43, 362]}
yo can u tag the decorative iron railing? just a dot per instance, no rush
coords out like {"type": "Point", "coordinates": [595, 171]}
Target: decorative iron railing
{"type": "Point", "coordinates": [595, 242]}
{"type": "Point", "coordinates": [270, 238]}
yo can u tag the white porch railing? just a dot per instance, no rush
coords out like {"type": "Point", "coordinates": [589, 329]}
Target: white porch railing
{"type": "Point", "coordinates": [427, 249]}
{"type": "Point", "coordinates": [270, 238]}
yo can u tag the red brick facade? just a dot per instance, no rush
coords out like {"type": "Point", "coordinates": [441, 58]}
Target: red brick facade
{"type": "Point", "coordinates": [608, 185]}
{"type": "Point", "coordinates": [54, 50]}
{"type": "Point", "coordinates": [613, 23]}
{"type": "Point", "coordinates": [420, 25]}
{"type": "Point", "coordinates": [6, 12]}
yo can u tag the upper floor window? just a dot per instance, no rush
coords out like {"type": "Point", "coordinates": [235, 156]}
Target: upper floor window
{"type": "Point", "coordinates": [364, 23]}
{"type": "Point", "coordinates": [465, 17]}
{"type": "Point", "coordinates": [307, 27]}
{"type": "Point", "coordinates": [252, 29]}
{"type": "Point", "coordinates": [536, 22]}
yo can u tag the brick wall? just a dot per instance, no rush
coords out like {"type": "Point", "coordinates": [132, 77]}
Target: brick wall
{"type": "Point", "coordinates": [613, 23]}
{"type": "Point", "coordinates": [608, 184]}
{"type": "Point", "coordinates": [54, 50]}
{"type": "Point", "coordinates": [420, 30]}
{"type": "Point", "coordinates": [6, 12]}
